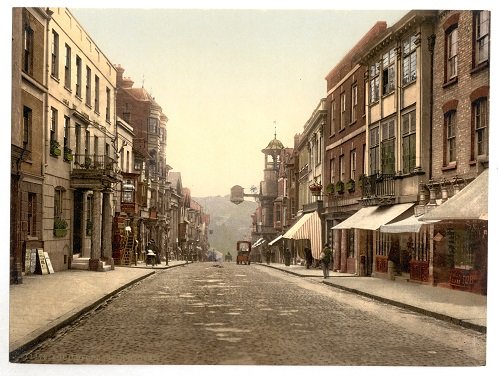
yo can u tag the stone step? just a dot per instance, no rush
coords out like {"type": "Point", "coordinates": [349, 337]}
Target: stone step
{"type": "Point", "coordinates": [80, 265]}
{"type": "Point", "coordinates": [106, 268]}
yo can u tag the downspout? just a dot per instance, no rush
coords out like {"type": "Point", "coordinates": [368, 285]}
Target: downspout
{"type": "Point", "coordinates": [46, 83]}
{"type": "Point", "coordinates": [431, 42]}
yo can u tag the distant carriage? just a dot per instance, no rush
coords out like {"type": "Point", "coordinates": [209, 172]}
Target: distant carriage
{"type": "Point", "coordinates": [243, 248]}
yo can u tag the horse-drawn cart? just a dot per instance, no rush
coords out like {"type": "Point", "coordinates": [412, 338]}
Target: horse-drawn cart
{"type": "Point", "coordinates": [243, 248]}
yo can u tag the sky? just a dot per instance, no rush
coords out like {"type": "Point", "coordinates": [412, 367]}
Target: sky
{"type": "Point", "coordinates": [225, 77]}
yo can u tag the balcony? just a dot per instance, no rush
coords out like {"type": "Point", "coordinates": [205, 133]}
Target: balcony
{"type": "Point", "coordinates": [378, 189]}
{"type": "Point", "coordinates": [94, 171]}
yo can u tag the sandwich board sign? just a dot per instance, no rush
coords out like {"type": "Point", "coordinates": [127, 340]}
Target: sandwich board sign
{"type": "Point", "coordinates": [49, 264]}
{"type": "Point", "coordinates": [41, 260]}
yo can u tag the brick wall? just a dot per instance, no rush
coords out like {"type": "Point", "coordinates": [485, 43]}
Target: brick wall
{"type": "Point", "coordinates": [468, 81]}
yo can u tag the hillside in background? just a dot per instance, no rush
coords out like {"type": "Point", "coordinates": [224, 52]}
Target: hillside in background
{"type": "Point", "coordinates": [228, 222]}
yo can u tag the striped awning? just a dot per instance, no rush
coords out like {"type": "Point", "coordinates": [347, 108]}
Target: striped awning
{"type": "Point", "coordinates": [307, 227]}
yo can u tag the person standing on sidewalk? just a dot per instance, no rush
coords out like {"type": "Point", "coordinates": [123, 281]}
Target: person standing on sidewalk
{"type": "Point", "coordinates": [325, 257]}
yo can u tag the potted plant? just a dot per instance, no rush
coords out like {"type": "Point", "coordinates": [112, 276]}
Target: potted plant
{"type": "Point", "coordinates": [350, 185]}
{"type": "Point", "coordinates": [60, 227]}
{"type": "Point", "coordinates": [55, 148]}
{"type": "Point", "coordinates": [68, 154]}
{"type": "Point", "coordinates": [339, 187]}
{"type": "Point", "coordinates": [330, 188]}
{"type": "Point", "coordinates": [361, 180]}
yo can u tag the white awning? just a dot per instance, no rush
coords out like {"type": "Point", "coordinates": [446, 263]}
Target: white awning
{"type": "Point", "coordinates": [275, 240]}
{"type": "Point", "coordinates": [307, 227]}
{"type": "Point", "coordinates": [469, 203]}
{"type": "Point", "coordinates": [372, 217]}
{"type": "Point", "coordinates": [410, 224]}
{"type": "Point", "coordinates": [258, 242]}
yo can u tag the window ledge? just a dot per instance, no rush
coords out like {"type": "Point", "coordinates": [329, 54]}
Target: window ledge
{"type": "Point", "coordinates": [450, 82]}
{"type": "Point", "coordinates": [88, 105]}
{"type": "Point", "coordinates": [78, 97]}
{"type": "Point", "coordinates": [67, 89]}
{"type": "Point", "coordinates": [481, 66]}
{"type": "Point", "coordinates": [449, 166]}
{"type": "Point", "coordinates": [54, 78]}
{"type": "Point", "coordinates": [353, 123]}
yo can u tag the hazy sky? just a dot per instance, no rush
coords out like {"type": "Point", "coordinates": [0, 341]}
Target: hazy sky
{"type": "Point", "coordinates": [223, 77]}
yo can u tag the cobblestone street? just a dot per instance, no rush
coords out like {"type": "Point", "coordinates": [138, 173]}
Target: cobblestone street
{"type": "Point", "coordinates": [251, 315]}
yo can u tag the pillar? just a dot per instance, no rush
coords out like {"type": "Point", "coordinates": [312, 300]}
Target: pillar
{"type": "Point", "coordinates": [430, 234]}
{"type": "Point", "coordinates": [107, 224]}
{"type": "Point", "coordinates": [337, 246]}
{"type": "Point", "coordinates": [95, 250]}
{"type": "Point", "coordinates": [343, 252]}
{"type": "Point", "coordinates": [374, 252]}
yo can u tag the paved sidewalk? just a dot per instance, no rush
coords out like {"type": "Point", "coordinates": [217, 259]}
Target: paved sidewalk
{"type": "Point", "coordinates": [462, 308]}
{"type": "Point", "coordinates": [42, 304]}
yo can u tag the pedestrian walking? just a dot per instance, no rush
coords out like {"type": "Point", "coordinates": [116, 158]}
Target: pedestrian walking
{"type": "Point", "coordinates": [309, 257]}
{"type": "Point", "coordinates": [325, 257]}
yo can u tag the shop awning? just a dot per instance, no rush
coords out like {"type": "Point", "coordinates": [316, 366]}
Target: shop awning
{"type": "Point", "coordinates": [372, 217]}
{"type": "Point", "coordinates": [307, 227]}
{"type": "Point", "coordinates": [410, 224]}
{"type": "Point", "coordinates": [275, 240]}
{"type": "Point", "coordinates": [469, 203]}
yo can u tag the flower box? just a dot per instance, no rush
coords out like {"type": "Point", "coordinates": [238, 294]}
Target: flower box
{"type": "Point", "coordinates": [350, 185]}
{"type": "Point", "coordinates": [339, 187]}
{"type": "Point", "coordinates": [330, 188]}
{"type": "Point", "coordinates": [55, 150]}
{"type": "Point", "coordinates": [60, 232]}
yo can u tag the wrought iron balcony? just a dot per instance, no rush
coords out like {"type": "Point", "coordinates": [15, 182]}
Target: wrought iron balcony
{"type": "Point", "coordinates": [378, 189]}
{"type": "Point", "coordinates": [93, 171]}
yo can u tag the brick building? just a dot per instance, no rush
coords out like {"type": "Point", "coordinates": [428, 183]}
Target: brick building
{"type": "Point", "coordinates": [344, 160]}
{"type": "Point", "coordinates": [460, 148]}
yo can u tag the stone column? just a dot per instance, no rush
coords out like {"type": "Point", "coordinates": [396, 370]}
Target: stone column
{"type": "Point", "coordinates": [95, 251]}
{"type": "Point", "coordinates": [107, 224]}
{"type": "Point", "coordinates": [374, 251]}
{"type": "Point", "coordinates": [336, 242]}
{"type": "Point", "coordinates": [343, 252]}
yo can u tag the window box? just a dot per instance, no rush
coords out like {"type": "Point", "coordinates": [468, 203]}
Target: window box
{"type": "Point", "coordinates": [339, 187]}
{"type": "Point", "coordinates": [350, 185]}
{"type": "Point", "coordinates": [330, 189]}
{"type": "Point", "coordinates": [55, 148]}
{"type": "Point", "coordinates": [68, 154]}
{"type": "Point", "coordinates": [60, 227]}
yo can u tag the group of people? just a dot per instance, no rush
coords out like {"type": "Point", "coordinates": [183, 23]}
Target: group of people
{"type": "Point", "coordinates": [325, 258]}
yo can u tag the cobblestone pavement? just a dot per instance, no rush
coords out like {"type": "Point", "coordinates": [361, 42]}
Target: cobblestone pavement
{"type": "Point", "coordinates": [238, 314]}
